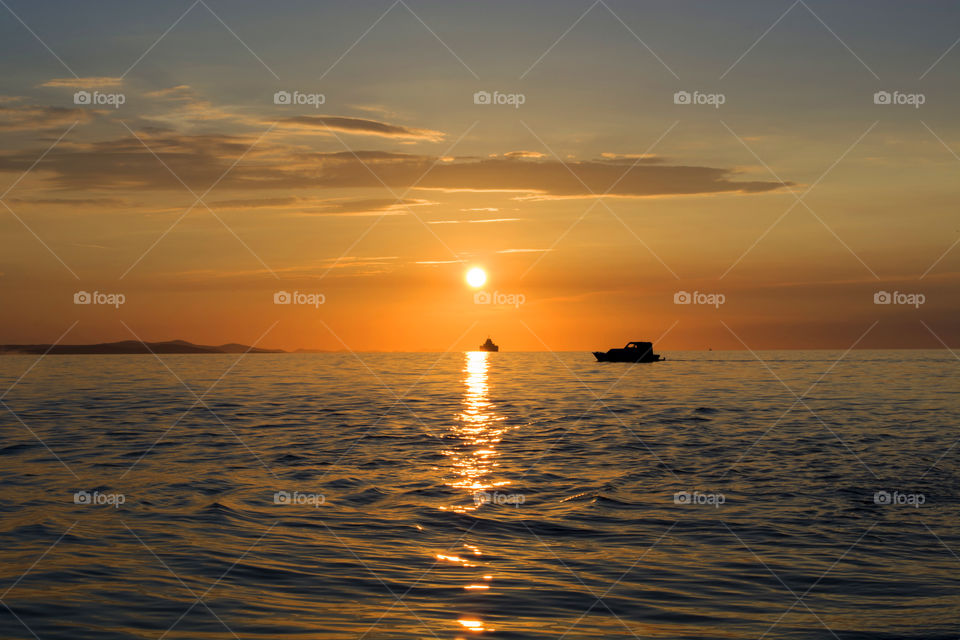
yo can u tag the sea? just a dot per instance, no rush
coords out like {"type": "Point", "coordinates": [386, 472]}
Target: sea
{"type": "Point", "coordinates": [715, 495]}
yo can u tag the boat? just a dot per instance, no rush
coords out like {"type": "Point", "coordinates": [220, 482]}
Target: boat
{"type": "Point", "coordinates": [489, 346]}
{"type": "Point", "coordinates": [633, 352]}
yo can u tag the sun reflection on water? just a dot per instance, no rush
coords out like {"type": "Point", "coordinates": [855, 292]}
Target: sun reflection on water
{"type": "Point", "coordinates": [478, 431]}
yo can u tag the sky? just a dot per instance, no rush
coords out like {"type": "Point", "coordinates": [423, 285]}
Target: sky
{"type": "Point", "coordinates": [699, 174]}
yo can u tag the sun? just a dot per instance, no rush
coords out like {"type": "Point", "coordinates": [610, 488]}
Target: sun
{"type": "Point", "coordinates": [476, 277]}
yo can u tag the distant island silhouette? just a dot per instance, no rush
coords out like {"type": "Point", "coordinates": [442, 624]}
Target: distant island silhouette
{"type": "Point", "coordinates": [130, 347]}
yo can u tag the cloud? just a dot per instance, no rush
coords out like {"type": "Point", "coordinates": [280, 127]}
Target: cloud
{"type": "Point", "coordinates": [324, 206]}
{"type": "Point", "coordinates": [362, 126]}
{"type": "Point", "coordinates": [201, 160]}
{"type": "Point", "coordinates": [90, 82]}
{"type": "Point", "coordinates": [473, 221]}
{"type": "Point", "coordinates": [73, 202]}
{"type": "Point", "coordinates": [524, 154]}
{"type": "Point", "coordinates": [16, 117]}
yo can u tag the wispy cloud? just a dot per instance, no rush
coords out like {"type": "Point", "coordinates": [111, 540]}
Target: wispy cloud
{"type": "Point", "coordinates": [90, 82]}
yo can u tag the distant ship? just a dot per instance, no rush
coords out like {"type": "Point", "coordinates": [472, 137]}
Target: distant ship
{"type": "Point", "coordinates": [489, 346]}
{"type": "Point", "coordinates": [633, 352]}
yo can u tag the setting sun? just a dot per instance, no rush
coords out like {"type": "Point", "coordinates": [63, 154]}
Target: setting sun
{"type": "Point", "coordinates": [476, 277]}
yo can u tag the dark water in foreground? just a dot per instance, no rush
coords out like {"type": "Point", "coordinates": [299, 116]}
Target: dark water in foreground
{"type": "Point", "coordinates": [575, 466]}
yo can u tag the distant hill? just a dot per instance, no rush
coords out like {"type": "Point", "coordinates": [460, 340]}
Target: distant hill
{"type": "Point", "coordinates": [130, 346]}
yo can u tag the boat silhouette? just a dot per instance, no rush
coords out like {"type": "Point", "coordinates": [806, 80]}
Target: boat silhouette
{"type": "Point", "coordinates": [633, 352]}
{"type": "Point", "coordinates": [489, 346]}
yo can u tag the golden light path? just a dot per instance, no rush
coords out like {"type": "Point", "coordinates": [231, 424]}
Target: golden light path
{"type": "Point", "coordinates": [473, 460]}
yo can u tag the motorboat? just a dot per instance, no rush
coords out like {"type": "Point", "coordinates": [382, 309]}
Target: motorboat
{"type": "Point", "coordinates": [633, 352]}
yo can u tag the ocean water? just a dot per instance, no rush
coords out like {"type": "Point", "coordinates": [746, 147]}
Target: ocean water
{"type": "Point", "coordinates": [509, 495]}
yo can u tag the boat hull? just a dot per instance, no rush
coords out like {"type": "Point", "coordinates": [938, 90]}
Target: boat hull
{"type": "Point", "coordinates": [621, 355]}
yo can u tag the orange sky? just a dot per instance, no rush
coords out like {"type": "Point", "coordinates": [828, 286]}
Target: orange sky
{"type": "Point", "coordinates": [591, 205]}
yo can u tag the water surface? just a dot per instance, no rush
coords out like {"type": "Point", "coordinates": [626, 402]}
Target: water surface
{"type": "Point", "coordinates": [508, 495]}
